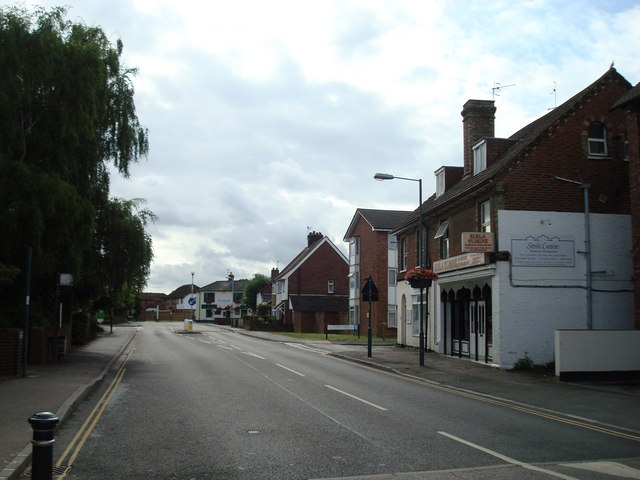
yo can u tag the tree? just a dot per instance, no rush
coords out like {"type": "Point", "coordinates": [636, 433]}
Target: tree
{"type": "Point", "coordinates": [66, 112]}
{"type": "Point", "coordinates": [251, 289]}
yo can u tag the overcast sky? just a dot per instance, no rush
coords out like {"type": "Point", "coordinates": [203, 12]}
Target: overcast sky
{"type": "Point", "coordinates": [270, 118]}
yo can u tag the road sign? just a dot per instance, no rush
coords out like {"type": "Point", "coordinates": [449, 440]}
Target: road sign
{"type": "Point", "coordinates": [369, 291]}
{"type": "Point", "coordinates": [192, 301]}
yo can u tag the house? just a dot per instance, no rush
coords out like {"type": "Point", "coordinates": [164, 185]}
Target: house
{"type": "Point", "coordinates": [151, 300]}
{"type": "Point", "coordinates": [373, 253]}
{"type": "Point", "coordinates": [221, 301]}
{"type": "Point", "coordinates": [532, 234]}
{"type": "Point", "coordinates": [630, 104]}
{"type": "Point", "coordinates": [178, 300]}
{"type": "Point", "coordinates": [312, 290]}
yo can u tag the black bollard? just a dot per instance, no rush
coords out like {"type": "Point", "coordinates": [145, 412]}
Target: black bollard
{"type": "Point", "coordinates": [43, 424]}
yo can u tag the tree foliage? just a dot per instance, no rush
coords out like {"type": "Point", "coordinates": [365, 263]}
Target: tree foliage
{"type": "Point", "coordinates": [66, 113]}
{"type": "Point", "coordinates": [251, 289]}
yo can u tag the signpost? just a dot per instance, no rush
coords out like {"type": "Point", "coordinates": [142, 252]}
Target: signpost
{"type": "Point", "coordinates": [369, 294]}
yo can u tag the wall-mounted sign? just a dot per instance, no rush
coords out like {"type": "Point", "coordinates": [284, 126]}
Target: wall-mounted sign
{"type": "Point", "coordinates": [543, 251]}
{"type": "Point", "coordinates": [461, 261]}
{"type": "Point", "coordinates": [478, 242]}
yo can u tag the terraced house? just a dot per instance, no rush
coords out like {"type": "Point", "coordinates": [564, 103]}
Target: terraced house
{"type": "Point", "coordinates": [531, 234]}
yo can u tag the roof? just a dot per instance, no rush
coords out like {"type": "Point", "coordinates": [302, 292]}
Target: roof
{"type": "Point", "coordinates": [304, 254]}
{"type": "Point", "coordinates": [319, 303]}
{"type": "Point", "coordinates": [523, 139]}
{"type": "Point", "coordinates": [380, 220]}
{"type": "Point", "coordinates": [629, 98]}
{"type": "Point", "coordinates": [224, 286]}
{"type": "Point", "coordinates": [182, 291]}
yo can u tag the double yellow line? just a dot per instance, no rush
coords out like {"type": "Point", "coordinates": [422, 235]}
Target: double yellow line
{"type": "Point", "coordinates": [76, 445]}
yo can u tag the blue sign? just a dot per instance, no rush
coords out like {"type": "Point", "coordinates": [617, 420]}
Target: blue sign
{"type": "Point", "coordinates": [192, 301]}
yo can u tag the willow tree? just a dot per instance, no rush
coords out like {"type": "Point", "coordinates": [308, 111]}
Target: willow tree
{"type": "Point", "coordinates": [66, 112]}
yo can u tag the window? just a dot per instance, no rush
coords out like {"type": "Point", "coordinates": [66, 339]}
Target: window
{"type": "Point", "coordinates": [597, 139]}
{"type": "Point", "coordinates": [479, 157]}
{"type": "Point", "coordinates": [209, 297]}
{"type": "Point", "coordinates": [330, 286]}
{"type": "Point", "coordinates": [393, 242]}
{"type": "Point", "coordinates": [443, 235]}
{"type": "Point", "coordinates": [392, 318]}
{"type": "Point", "coordinates": [237, 297]}
{"type": "Point", "coordinates": [404, 254]}
{"type": "Point", "coordinates": [354, 315]}
{"type": "Point", "coordinates": [393, 277]}
{"type": "Point", "coordinates": [439, 182]}
{"type": "Point", "coordinates": [485, 217]}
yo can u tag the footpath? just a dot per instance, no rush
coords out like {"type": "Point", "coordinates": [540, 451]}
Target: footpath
{"type": "Point", "coordinates": [60, 387]}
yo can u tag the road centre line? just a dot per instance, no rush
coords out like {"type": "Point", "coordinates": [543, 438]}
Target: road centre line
{"type": "Point", "coordinates": [510, 460]}
{"type": "Point", "coordinates": [357, 398]}
{"type": "Point", "coordinates": [555, 416]}
{"type": "Point", "coordinates": [225, 347]}
{"type": "Point", "coordinates": [254, 355]}
{"type": "Point", "coordinates": [291, 370]}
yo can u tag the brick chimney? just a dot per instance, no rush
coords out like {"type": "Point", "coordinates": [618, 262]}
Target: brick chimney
{"type": "Point", "coordinates": [478, 121]}
{"type": "Point", "coordinates": [274, 273]}
{"type": "Point", "coordinates": [313, 237]}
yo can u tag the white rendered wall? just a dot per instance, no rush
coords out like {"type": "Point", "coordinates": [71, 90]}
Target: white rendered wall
{"type": "Point", "coordinates": [533, 302]}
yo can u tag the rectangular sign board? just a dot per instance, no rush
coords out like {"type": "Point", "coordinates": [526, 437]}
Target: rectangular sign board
{"type": "Point", "coordinates": [478, 242]}
{"type": "Point", "coordinates": [542, 251]}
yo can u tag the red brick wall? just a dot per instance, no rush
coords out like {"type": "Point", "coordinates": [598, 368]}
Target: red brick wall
{"type": "Point", "coordinates": [10, 352]}
{"type": "Point", "coordinates": [313, 275]}
{"type": "Point", "coordinates": [633, 137]}
{"type": "Point", "coordinates": [374, 262]}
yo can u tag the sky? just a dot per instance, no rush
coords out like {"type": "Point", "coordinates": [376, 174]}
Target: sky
{"type": "Point", "coordinates": [269, 119]}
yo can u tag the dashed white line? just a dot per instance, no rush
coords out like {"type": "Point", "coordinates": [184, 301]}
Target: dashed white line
{"type": "Point", "coordinates": [357, 398]}
{"type": "Point", "coordinates": [291, 370]}
{"type": "Point", "coordinates": [254, 355]}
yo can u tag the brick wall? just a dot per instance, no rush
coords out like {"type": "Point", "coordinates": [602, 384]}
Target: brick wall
{"type": "Point", "coordinates": [633, 133]}
{"type": "Point", "coordinates": [10, 352]}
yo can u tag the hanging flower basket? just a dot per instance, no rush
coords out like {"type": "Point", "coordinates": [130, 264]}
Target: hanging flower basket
{"type": "Point", "coordinates": [420, 277]}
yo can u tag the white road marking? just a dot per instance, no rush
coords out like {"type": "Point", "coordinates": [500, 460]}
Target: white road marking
{"type": "Point", "coordinates": [254, 355]}
{"type": "Point", "coordinates": [357, 398]}
{"type": "Point", "coordinates": [510, 460]}
{"type": "Point", "coordinates": [205, 341]}
{"type": "Point", "coordinates": [292, 371]}
{"type": "Point", "coordinates": [609, 468]}
{"type": "Point", "coordinates": [306, 347]}
{"type": "Point", "coordinates": [225, 347]}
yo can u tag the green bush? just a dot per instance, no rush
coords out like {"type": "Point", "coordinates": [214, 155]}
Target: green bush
{"type": "Point", "coordinates": [84, 328]}
{"type": "Point", "coordinates": [524, 363]}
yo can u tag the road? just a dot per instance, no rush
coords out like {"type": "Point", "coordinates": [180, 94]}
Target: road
{"type": "Point", "coordinates": [221, 405]}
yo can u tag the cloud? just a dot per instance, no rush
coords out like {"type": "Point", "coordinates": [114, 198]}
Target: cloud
{"type": "Point", "coordinates": [266, 118]}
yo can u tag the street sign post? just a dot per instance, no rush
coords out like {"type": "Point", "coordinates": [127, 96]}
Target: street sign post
{"type": "Point", "coordinates": [369, 294]}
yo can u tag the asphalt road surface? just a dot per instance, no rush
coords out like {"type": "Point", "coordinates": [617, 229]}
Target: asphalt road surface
{"type": "Point", "coordinates": [221, 405]}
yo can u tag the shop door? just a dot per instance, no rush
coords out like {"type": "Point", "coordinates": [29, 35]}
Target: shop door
{"type": "Point", "coordinates": [478, 329]}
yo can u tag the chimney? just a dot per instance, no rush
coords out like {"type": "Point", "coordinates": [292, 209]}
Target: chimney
{"type": "Point", "coordinates": [274, 273]}
{"type": "Point", "coordinates": [478, 121]}
{"type": "Point", "coordinates": [313, 237]}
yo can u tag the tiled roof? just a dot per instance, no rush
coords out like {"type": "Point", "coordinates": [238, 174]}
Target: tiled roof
{"type": "Point", "coordinates": [524, 138]}
{"type": "Point", "coordinates": [381, 220]}
{"type": "Point", "coordinates": [319, 303]}
{"type": "Point", "coordinates": [632, 96]}
{"type": "Point", "coordinates": [182, 291]}
{"type": "Point", "coordinates": [224, 286]}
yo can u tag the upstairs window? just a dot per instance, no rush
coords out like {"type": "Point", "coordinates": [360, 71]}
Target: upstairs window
{"type": "Point", "coordinates": [330, 286]}
{"type": "Point", "coordinates": [209, 297]}
{"type": "Point", "coordinates": [485, 217]}
{"type": "Point", "coordinates": [439, 182]}
{"type": "Point", "coordinates": [597, 140]}
{"type": "Point", "coordinates": [443, 235]}
{"type": "Point", "coordinates": [479, 157]}
{"type": "Point", "coordinates": [404, 254]}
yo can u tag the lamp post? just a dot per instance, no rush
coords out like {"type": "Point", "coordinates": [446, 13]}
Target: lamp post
{"type": "Point", "coordinates": [386, 176]}
{"type": "Point", "coordinates": [587, 243]}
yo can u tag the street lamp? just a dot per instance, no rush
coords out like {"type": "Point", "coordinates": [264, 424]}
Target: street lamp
{"type": "Point", "coordinates": [385, 176]}
{"type": "Point", "coordinates": [587, 243]}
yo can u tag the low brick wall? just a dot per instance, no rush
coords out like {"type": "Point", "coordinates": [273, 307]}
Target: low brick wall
{"type": "Point", "coordinates": [10, 352]}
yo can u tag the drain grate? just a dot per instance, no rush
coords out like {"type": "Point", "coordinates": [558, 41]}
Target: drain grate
{"type": "Point", "coordinates": [57, 471]}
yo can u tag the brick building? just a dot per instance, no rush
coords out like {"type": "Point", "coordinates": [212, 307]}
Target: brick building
{"type": "Point", "coordinates": [507, 232]}
{"type": "Point", "coordinates": [630, 104]}
{"type": "Point", "coordinates": [373, 252]}
{"type": "Point", "coordinates": [312, 290]}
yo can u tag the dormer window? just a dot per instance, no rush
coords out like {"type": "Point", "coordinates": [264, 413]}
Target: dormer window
{"type": "Point", "coordinates": [479, 157]}
{"type": "Point", "coordinates": [597, 140]}
{"type": "Point", "coordinates": [440, 182]}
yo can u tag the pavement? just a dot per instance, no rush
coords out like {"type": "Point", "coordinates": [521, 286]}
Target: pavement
{"type": "Point", "coordinates": [60, 387]}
